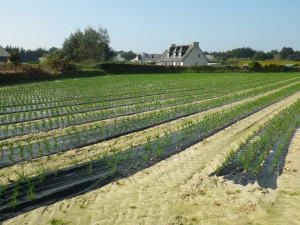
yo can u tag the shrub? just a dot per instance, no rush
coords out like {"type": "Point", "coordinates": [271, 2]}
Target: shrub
{"type": "Point", "coordinates": [257, 67]}
{"type": "Point", "coordinates": [62, 65]}
{"type": "Point", "coordinates": [14, 58]}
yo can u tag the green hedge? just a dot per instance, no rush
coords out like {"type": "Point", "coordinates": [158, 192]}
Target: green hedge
{"type": "Point", "coordinates": [36, 74]}
{"type": "Point", "coordinates": [116, 68]}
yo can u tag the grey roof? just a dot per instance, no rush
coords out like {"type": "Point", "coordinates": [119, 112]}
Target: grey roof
{"type": "Point", "coordinates": [3, 52]}
{"type": "Point", "coordinates": [183, 49]}
{"type": "Point", "coordinates": [152, 57]}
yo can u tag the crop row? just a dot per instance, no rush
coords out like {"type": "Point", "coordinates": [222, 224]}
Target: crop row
{"type": "Point", "coordinates": [88, 135]}
{"type": "Point", "coordinates": [75, 119]}
{"type": "Point", "coordinates": [25, 189]}
{"type": "Point", "coordinates": [42, 100]}
{"type": "Point", "coordinates": [251, 155]}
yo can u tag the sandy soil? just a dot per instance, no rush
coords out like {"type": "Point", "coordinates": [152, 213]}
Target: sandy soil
{"type": "Point", "coordinates": [178, 190]}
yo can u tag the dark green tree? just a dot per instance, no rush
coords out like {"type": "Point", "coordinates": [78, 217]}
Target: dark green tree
{"type": "Point", "coordinates": [14, 58]}
{"type": "Point", "coordinates": [88, 45]}
{"type": "Point", "coordinates": [259, 55]}
{"type": "Point", "coordinates": [256, 66]}
{"type": "Point", "coordinates": [128, 55]}
{"type": "Point", "coordinates": [286, 53]}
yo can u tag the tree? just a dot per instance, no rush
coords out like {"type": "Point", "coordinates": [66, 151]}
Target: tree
{"type": "Point", "coordinates": [286, 53]}
{"type": "Point", "coordinates": [128, 55]}
{"type": "Point", "coordinates": [39, 52]}
{"type": "Point", "coordinates": [259, 55]}
{"type": "Point", "coordinates": [14, 58]}
{"type": "Point", "coordinates": [88, 45]}
{"type": "Point", "coordinates": [10, 49]}
{"type": "Point", "coordinates": [52, 49]}
{"type": "Point", "coordinates": [256, 66]}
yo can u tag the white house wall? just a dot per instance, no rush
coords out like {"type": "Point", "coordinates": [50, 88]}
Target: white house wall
{"type": "Point", "coordinates": [193, 59]}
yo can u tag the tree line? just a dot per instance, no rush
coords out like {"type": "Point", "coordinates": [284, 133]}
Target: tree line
{"type": "Point", "coordinates": [286, 53]}
{"type": "Point", "coordinates": [87, 45]}
{"type": "Point", "coordinates": [39, 52]}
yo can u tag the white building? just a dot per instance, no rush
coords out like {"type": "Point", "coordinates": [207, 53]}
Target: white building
{"type": "Point", "coordinates": [183, 55]}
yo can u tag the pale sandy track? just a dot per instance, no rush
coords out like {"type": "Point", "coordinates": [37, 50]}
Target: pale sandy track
{"type": "Point", "coordinates": [178, 190]}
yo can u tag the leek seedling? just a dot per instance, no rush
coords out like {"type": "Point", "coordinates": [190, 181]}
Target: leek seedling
{"type": "Point", "coordinates": [90, 168]}
{"type": "Point", "coordinates": [13, 202]}
{"type": "Point", "coordinates": [10, 157]}
{"type": "Point", "coordinates": [41, 172]}
{"type": "Point", "coordinates": [145, 157]}
{"type": "Point", "coordinates": [114, 168]}
{"type": "Point", "coordinates": [30, 193]}
{"type": "Point", "coordinates": [75, 161]}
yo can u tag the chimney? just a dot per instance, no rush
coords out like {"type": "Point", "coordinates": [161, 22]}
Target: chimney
{"type": "Point", "coordinates": [196, 44]}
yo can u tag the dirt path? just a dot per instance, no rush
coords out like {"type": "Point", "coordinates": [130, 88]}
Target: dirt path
{"type": "Point", "coordinates": [178, 190]}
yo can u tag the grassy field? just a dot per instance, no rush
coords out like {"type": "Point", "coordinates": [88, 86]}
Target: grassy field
{"type": "Point", "coordinates": [59, 139]}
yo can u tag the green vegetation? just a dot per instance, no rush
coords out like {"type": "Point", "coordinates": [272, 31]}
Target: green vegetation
{"type": "Point", "coordinates": [53, 117]}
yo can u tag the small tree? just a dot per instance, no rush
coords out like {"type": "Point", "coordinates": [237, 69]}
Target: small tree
{"type": "Point", "coordinates": [14, 58]}
{"type": "Point", "coordinates": [128, 55]}
{"type": "Point", "coordinates": [256, 66]}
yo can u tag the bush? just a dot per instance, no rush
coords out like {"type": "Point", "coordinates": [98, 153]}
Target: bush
{"type": "Point", "coordinates": [14, 58]}
{"type": "Point", "coordinates": [62, 65]}
{"type": "Point", "coordinates": [257, 67]}
{"type": "Point", "coordinates": [116, 68]}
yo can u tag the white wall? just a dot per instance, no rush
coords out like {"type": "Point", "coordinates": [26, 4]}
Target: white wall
{"type": "Point", "coordinates": [193, 59]}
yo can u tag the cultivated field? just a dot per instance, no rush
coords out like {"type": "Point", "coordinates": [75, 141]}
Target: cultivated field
{"type": "Point", "coordinates": [151, 149]}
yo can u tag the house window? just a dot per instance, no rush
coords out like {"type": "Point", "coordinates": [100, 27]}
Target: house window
{"type": "Point", "coordinates": [196, 64]}
{"type": "Point", "coordinates": [199, 55]}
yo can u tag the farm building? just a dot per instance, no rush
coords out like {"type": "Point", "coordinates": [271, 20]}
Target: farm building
{"type": "Point", "coordinates": [26, 58]}
{"type": "Point", "coordinates": [183, 55]}
{"type": "Point", "coordinates": [3, 55]}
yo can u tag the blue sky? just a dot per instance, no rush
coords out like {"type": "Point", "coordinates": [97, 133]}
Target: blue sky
{"type": "Point", "coordinates": [151, 26]}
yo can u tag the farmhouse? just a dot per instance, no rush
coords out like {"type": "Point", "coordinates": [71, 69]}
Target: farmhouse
{"type": "Point", "coordinates": [183, 55]}
{"type": "Point", "coordinates": [3, 55]}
